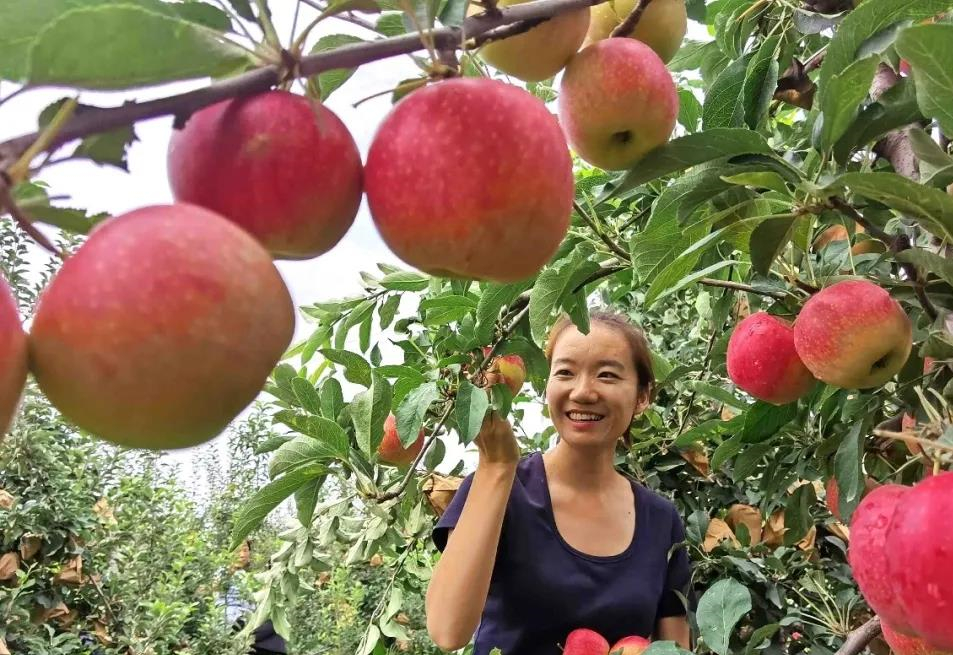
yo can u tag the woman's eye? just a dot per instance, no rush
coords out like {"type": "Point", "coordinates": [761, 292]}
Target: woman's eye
{"type": "Point", "coordinates": [563, 371]}
{"type": "Point", "coordinates": [608, 374]}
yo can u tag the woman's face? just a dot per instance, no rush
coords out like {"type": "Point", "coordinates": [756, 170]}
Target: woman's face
{"type": "Point", "coordinates": [593, 386]}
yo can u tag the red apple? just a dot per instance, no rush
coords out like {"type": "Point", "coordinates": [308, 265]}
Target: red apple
{"type": "Point", "coordinates": [869, 555]}
{"type": "Point", "coordinates": [510, 368]}
{"type": "Point", "coordinates": [902, 644]}
{"type": "Point", "coordinates": [832, 496]}
{"type": "Point", "coordinates": [583, 641]}
{"type": "Point", "coordinates": [763, 362]}
{"type": "Point", "coordinates": [280, 165]}
{"type": "Point", "coordinates": [471, 178]}
{"type": "Point", "coordinates": [161, 328]}
{"type": "Point", "coordinates": [617, 102]}
{"type": "Point", "coordinates": [632, 645]}
{"type": "Point", "coordinates": [13, 357]}
{"type": "Point", "coordinates": [391, 451]}
{"type": "Point", "coordinates": [853, 335]}
{"type": "Point", "coordinates": [920, 566]}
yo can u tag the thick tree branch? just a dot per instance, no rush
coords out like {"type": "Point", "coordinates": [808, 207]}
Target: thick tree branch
{"type": "Point", "coordinates": [858, 639]}
{"type": "Point", "coordinates": [625, 27]}
{"type": "Point", "coordinates": [478, 29]}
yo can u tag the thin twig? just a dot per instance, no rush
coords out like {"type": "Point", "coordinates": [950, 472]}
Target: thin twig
{"type": "Point", "coordinates": [858, 639]}
{"type": "Point", "coordinates": [625, 27]}
{"type": "Point", "coordinates": [873, 230]}
{"type": "Point", "coordinates": [612, 245]}
{"type": "Point", "coordinates": [908, 436]}
{"type": "Point", "coordinates": [9, 204]}
{"type": "Point", "coordinates": [737, 286]}
{"type": "Point", "coordinates": [598, 275]}
{"type": "Point", "coordinates": [22, 89]}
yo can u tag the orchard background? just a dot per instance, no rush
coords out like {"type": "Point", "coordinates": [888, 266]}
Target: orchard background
{"type": "Point", "coordinates": [793, 119]}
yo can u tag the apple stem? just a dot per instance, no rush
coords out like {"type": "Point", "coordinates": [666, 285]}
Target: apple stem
{"type": "Point", "coordinates": [625, 27]}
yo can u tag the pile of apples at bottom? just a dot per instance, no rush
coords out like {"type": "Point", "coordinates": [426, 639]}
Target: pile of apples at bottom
{"type": "Point", "coordinates": [584, 641]}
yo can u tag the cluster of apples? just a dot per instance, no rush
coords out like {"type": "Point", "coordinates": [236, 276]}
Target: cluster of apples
{"type": "Point", "coordinates": [901, 555]}
{"type": "Point", "coordinates": [583, 641]}
{"type": "Point", "coordinates": [851, 334]}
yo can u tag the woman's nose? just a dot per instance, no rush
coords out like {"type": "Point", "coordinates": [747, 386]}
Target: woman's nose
{"type": "Point", "coordinates": [583, 390]}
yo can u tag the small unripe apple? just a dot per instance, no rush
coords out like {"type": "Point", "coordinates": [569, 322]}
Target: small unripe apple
{"type": "Point", "coordinates": [763, 362]}
{"type": "Point", "coordinates": [471, 178]}
{"type": "Point", "coordinates": [511, 368]}
{"type": "Point", "coordinates": [852, 334]}
{"type": "Point", "coordinates": [13, 357]}
{"type": "Point", "coordinates": [662, 25]}
{"type": "Point", "coordinates": [617, 102]}
{"type": "Point", "coordinates": [583, 641]}
{"type": "Point", "coordinates": [869, 555]}
{"type": "Point", "coordinates": [391, 451]}
{"type": "Point", "coordinates": [902, 644]}
{"type": "Point", "coordinates": [541, 52]}
{"type": "Point", "coordinates": [161, 328]}
{"type": "Point", "coordinates": [632, 645]}
{"type": "Point", "coordinates": [282, 166]}
{"type": "Point", "coordinates": [920, 563]}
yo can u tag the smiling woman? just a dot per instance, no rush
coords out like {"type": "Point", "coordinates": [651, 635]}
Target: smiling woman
{"type": "Point", "coordinates": [539, 546]}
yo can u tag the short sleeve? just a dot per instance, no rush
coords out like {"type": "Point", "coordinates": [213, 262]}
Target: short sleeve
{"type": "Point", "coordinates": [679, 573]}
{"type": "Point", "coordinates": [451, 515]}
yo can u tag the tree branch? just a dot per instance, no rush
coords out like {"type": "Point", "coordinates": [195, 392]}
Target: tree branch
{"type": "Point", "coordinates": [9, 204]}
{"type": "Point", "coordinates": [858, 639]}
{"type": "Point", "coordinates": [737, 286]}
{"type": "Point", "coordinates": [479, 29]}
{"type": "Point", "coordinates": [612, 245]}
{"type": "Point", "coordinates": [625, 27]}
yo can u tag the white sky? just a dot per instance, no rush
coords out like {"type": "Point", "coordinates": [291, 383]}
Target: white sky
{"type": "Point", "coordinates": [332, 275]}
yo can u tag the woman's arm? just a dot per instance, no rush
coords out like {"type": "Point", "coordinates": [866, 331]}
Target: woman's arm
{"type": "Point", "coordinates": [461, 579]}
{"type": "Point", "coordinates": [674, 628]}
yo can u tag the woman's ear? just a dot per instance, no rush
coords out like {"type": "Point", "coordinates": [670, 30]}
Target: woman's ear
{"type": "Point", "coordinates": [641, 402]}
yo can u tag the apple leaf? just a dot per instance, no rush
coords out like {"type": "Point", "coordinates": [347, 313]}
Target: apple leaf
{"type": "Point", "coordinates": [723, 107]}
{"type": "Point", "coordinates": [664, 648]}
{"type": "Point", "coordinates": [928, 262]}
{"type": "Point", "coordinates": [550, 287]}
{"type": "Point", "coordinates": [391, 24]}
{"type": "Point", "coordinates": [929, 49]}
{"type": "Point", "coordinates": [747, 461]}
{"type": "Point", "coordinates": [846, 90]}
{"type": "Point", "coordinates": [306, 498]}
{"type": "Point", "coordinates": [297, 452]}
{"type": "Point", "coordinates": [243, 8]}
{"type": "Point", "coordinates": [356, 368]}
{"type": "Point", "coordinates": [768, 240]}
{"type": "Point", "coordinates": [107, 148]}
{"type": "Point", "coordinates": [895, 108]}
{"type": "Point", "coordinates": [691, 150]}
{"type": "Point", "coordinates": [269, 497]}
{"type": "Point", "coordinates": [327, 82]}
{"type": "Point", "coordinates": [689, 110]}
{"type": "Point", "coordinates": [761, 638]}
{"type": "Point", "coordinates": [405, 281]}
{"type": "Point", "coordinates": [763, 420]}
{"type": "Point", "coordinates": [868, 19]}
{"type": "Point", "coordinates": [761, 79]}
{"type": "Point", "coordinates": [725, 451]}
{"type": "Point", "coordinates": [453, 12]}
{"type": "Point", "coordinates": [307, 395]}
{"type": "Point", "coordinates": [797, 514]}
{"type": "Point", "coordinates": [494, 298]}
{"type": "Point", "coordinates": [143, 48]}
{"type": "Point", "coordinates": [719, 610]}
{"type": "Point", "coordinates": [332, 399]}
{"type": "Point", "coordinates": [413, 410]}
{"type": "Point", "coordinates": [330, 439]}
{"type": "Point", "coordinates": [470, 410]}
{"type": "Point", "coordinates": [388, 310]}
{"type": "Point", "coordinates": [690, 55]}
{"type": "Point", "coordinates": [369, 409]}
{"type": "Point", "coordinates": [849, 469]}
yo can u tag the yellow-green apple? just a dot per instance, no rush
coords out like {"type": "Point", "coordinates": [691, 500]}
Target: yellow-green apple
{"type": "Point", "coordinates": [161, 328]}
{"type": "Point", "coordinates": [762, 360]}
{"type": "Point", "coordinates": [510, 368]}
{"type": "Point", "coordinates": [852, 334]}
{"type": "Point", "coordinates": [902, 644]}
{"type": "Point", "coordinates": [282, 166]}
{"type": "Point", "coordinates": [920, 563]}
{"type": "Point", "coordinates": [541, 52]}
{"type": "Point", "coordinates": [632, 645]}
{"type": "Point", "coordinates": [392, 451]}
{"type": "Point", "coordinates": [662, 25]}
{"type": "Point", "coordinates": [869, 555]}
{"type": "Point", "coordinates": [583, 641]}
{"type": "Point", "coordinates": [617, 101]}
{"type": "Point", "coordinates": [471, 178]}
{"type": "Point", "coordinates": [13, 357]}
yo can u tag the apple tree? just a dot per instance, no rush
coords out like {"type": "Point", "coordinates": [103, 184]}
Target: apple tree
{"type": "Point", "coordinates": [767, 197]}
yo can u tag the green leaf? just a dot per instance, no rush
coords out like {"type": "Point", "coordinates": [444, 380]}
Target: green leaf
{"type": "Point", "coordinates": [689, 110]}
{"type": "Point", "coordinates": [401, 371]}
{"type": "Point", "coordinates": [388, 310]}
{"type": "Point", "coordinates": [306, 498]}
{"type": "Point", "coordinates": [762, 180]}
{"type": "Point", "coordinates": [391, 24]}
{"type": "Point", "coordinates": [719, 394]}
{"type": "Point", "coordinates": [327, 82]}
{"type": "Point", "coordinates": [454, 12]}
{"type": "Point", "coordinates": [725, 451]}
{"type": "Point", "coordinates": [764, 420]}
{"type": "Point", "coordinates": [722, 107]}
{"type": "Point", "coordinates": [494, 298]}
{"type": "Point", "coordinates": [413, 410]}
{"type": "Point", "coordinates": [664, 648]}
{"type": "Point", "coordinates": [691, 150]}
{"type": "Point", "coordinates": [928, 262]}
{"type": "Point", "coordinates": [269, 497]}
{"type": "Point", "coordinates": [761, 637]}
{"type": "Point", "coordinates": [690, 55]}
{"type": "Point", "coordinates": [405, 281]}
{"type": "Point", "coordinates": [369, 409]}
{"type": "Point", "coordinates": [702, 432]}
{"type": "Point", "coordinates": [470, 410]}
{"type": "Point", "coordinates": [330, 440]}
{"type": "Point", "coordinates": [550, 287]}
{"type": "Point", "coordinates": [332, 399]}
{"type": "Point", "coordinates": [307, 395]}
{"type": "Point", "coordinates": [719, 610]}
{"type": "Point", "coordinates": [761, 79]}
{"type": "Point", "coordinates": [747, 461]}
{"type": "Point", "coordinates": [797, 514]}
{"type": "Point", "coordinates": [932, 206]}
{"type": "Point", "coordinates": [866, 20]}
{"type": "Point", "coordinates": [895, 108]}
{"type": "Point", "coordinates": [846, 90]}
{"type": "Point", "coordinates": [356, 368]}
{"type": "Point", "coordinates": [143, 48]}
{"type": "Point", "coordinates": [849, 470]}
{"type": "Point", "coordinates": [299, 451]}
{"type": "Point", "coordinates": [768, 241]}
{"type": "Point", "coordinates": [243, 8]}
{"type": "Point", "coordinates": [272, 444]}
{"type": "Point", "coordinates": [929, 49]}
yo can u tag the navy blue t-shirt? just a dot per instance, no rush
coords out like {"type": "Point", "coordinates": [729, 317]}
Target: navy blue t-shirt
{"type": "Point", "coordinates": [542, 588]}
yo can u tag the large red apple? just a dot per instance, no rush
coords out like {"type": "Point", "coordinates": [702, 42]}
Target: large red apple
{"type": "Point", "coordinates": [902, 644]}
{"type": "Point", "coordinates": [617, 102]}
{"type": "Point", "coordinates": [391, 451]}
{"type": "Point", "coordinates": [583, 641]}
{"type": "Point", "coordinates": [471, 178]}
{"type": "Point", "coordinates": [920, 543]}
{"type": "Point", "coordinates": [869, 555]}
{"type": "Point", "coordinates": [632, 645]}
{"type": "Point", "coordinates": [161, 328]}
{"type": "Point", "coordinates": [852, 334]}
{"type": "Point", "coordinates": [762, 360]}
{"type": "Point", "coordinates": [280, 165]}
{"type": "Point", "coordinates": [13, 357]}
